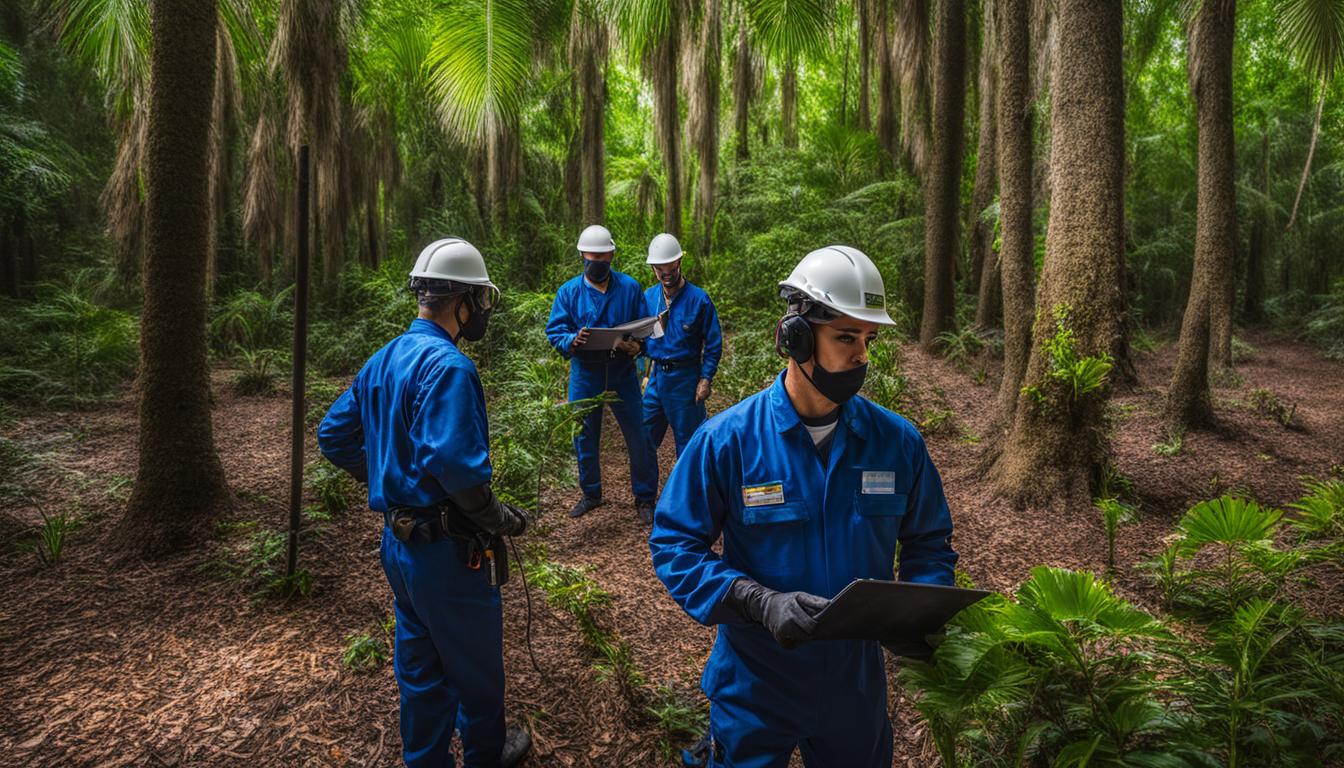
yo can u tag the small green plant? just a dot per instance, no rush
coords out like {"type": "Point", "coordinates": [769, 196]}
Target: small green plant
{"type": "Point", "coordinates": [51, 536]}
{"type": "Point", "coordinates": [1244, 563]}
{"type": "Point", "coordinates": [255, 376]}
{"type": "Point", "coordinates": [1144, 340]}
{"type": "Point", "coordinates": [961, 345]}
{"type": "Point", "coordinates": [333, 487]}
{"type": "Point", "coordinates": [1320, 513]}
{"type": "Point", "coordinates": [1241, 351]}
{"type": "Point", "coordinates": [1268, 404]}
{"type": "Point", "coordinates": [677, 716]}
{"type": "Point", "coordinates": [1114, 513]}
{"type": "Point", "coordinates": [1172, 446]}
{"type": "Point", "coordinates": [936, 421]}
{"type": "Point", "coordinates": [1112, 483]}
{"type": "Point", "coordinates": [364, 652]}
{"type": "Point", "coordinates": [1076, 375]}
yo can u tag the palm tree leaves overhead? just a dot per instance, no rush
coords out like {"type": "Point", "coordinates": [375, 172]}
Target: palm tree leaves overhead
{"type": "Point", "coordinates": [644, 23]}
{"type": "Point", "coordinates": [1315, 31]}
{"type": "Point", "coordinates": [479, 64]}
{"type": "Point", "coordinates": [791, 29]}
{"type": "Point", "coordinates": [112, 38]}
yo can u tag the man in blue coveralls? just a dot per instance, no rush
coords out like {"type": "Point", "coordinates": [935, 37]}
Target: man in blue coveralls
{"type": "Point", "coordinates": [683, 360]}
{"type": "Point", "coordinates": [601, 297]}
{"type": "Point", "coordinates": [412, 425]}
{"type": "Point", "coordinates": [811, 487]}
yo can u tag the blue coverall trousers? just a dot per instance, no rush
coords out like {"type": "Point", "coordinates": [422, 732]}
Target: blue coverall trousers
{"type": "Point", "coordinates": [590, 380]}
{"type": "Point", "coordinates": [669, 400]}
{"type": "Point", "coordinates": [449, 655]}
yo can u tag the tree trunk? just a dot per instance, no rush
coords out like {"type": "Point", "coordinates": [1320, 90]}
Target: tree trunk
{"type": "Point", "coordinates": [942, 180]}
{"type": "Point", "coordinates": [982, 235]}
{"type": "Point", "coordinates": [1057, 440]}
{"type": "Point", "coordinates": [180, 483]}
{"type": "Point", "coordinates": [742, 81]}
{"type": "Point", "coordinates": [865, 62]}
{"type": "Point", "coordinates": [589, 41]}
{"type": "Point", "coordinates": [667, 119]}
{"type": "Point", "coordinates": [1211, 34]}
{"type": "Point", "coordinates": [705, 124]}
{"type": "Point", "coordinates": [788, 103]}
{"type": "Point", "coordinates": [887, 136]}
{"type": "Point", "coordinates": [9, 264]}
{"type": "Point", "coordinates": [1254, 307]}
{"type": "Point", "coordinates": [1017, 250]}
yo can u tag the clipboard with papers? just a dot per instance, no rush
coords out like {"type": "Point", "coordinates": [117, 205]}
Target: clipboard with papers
{"type": "Point", "coordinates": [602, 339]}
{"type": "Point", "coordinates": [899, 614]}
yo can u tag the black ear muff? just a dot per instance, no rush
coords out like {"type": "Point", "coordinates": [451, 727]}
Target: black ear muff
{"type": "Point", "coordinates": [793, 338]}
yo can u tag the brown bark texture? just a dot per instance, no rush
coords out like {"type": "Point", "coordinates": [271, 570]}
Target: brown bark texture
{"type": "Point", "coordinates": [1211, 34]}
{"type": "Point", "coordinates": [667, 122]}
{"type": "Point", "coordinates": [942, 179]}
{"type": "Point", "coordinates": [180, 483]}
{"type": "Point", "coordinates": [984, 267]}
{"type": "Point", "coordinates": [1053, 447]}
{"type": "Point", "coordinates": [1016, 262]}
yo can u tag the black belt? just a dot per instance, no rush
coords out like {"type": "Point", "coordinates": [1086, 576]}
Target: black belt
{"type": "Point", "coordinates": [668, 365]}
{"type": "Point", "coordinates": [603, 357]}
{"type": "Point", "coordinates": [430, 524]}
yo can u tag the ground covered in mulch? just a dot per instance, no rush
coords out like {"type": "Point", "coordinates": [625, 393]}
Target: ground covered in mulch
{"type": "Point", "coordinates": [175, 662]}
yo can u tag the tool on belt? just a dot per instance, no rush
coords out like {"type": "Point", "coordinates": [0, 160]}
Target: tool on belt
{"type": "Point", "coordinates": [480, 549]}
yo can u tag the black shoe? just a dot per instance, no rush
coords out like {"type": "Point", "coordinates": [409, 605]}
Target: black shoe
{"type": "Point", "coordinates": [517, 743]}
{"type": "Point", "coordinates": [645, 510]}
{"type": "Point", "coordinates": [585, 504]}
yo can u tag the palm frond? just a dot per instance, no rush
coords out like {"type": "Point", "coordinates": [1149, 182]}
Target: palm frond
{"type": "Point", "coordinates": [478, 66]}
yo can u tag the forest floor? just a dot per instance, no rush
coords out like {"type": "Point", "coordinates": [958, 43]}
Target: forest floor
{"type": "Point", "coordinates": [174, 663]}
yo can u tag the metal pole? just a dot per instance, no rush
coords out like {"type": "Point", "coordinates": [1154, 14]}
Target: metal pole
{"type": "Point", "coordinates": [300, 350]}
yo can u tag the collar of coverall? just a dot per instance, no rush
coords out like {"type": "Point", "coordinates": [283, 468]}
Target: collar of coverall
{"type": "Point", "coordinates": [786, 416]}
{"type": "Point", "coordinates": [421, 325]}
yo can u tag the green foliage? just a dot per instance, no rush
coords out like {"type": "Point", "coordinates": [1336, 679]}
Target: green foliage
{"type": "Point", "coordinates": [1076, 376]}
{"type": "Point", "coordinates": [334, 488]}
{"type": "Point", "coordinates": [64, 348]}
{"type": "Point", "coordinates": [1325, 325]}
{"type": "Point", "coordinates": [51, 536]}
{"type": "Point", "coordinates": [249, 321]}
{"type": "Point", "coordinates": [258, 560]}
{"type": "Point", "coordinates": [364, 652]}
{"type": "Point", "coordinates": [1320, 513]}
{"type": "Point", "coordinates": [255, 376]}
{"type": "Point", "coordinates": [1114, 513]}
{"type": "Point", "coordinates": [373, 307]}
{"type": "Point", "coordinates": [961, 345]}
{"type": "Point", "coordinates": [1241, 562]}
{"type": "Point", "coordinates": [1173, 445]}
{"type": "Point", "coordinates": [1266, 403]}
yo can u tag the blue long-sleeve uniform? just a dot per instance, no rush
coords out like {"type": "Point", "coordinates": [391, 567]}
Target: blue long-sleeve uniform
{"type": "Point", "coordinates": [579, 305]}
{"type": "Point", "coordinates": [794, 521]}
{"type": "Point", "coordinates": [413, 425]}
{"type": "Point", "coordinates": [688, 351]}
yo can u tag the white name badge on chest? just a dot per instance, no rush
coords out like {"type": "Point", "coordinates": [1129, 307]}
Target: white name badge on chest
{"type": "Point", "coordinates": [879, 482]}
{"type": "Point", "coordinates": [762, 495]}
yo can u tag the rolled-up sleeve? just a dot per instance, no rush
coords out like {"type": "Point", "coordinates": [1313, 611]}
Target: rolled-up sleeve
{"type": "Point", "coordinates": [340, 436]}
{"type": "Point", "coordinates": [926, 555]}
{"type": "Point", "coordinates": [688, 520]}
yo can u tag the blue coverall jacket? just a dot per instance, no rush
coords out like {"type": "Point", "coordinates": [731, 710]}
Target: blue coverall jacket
{"type": "Point", "coordinates": [579, 305]}
{"type": "Point", "coordinates": [795, 522]}
{"type": "Point", "coordinates": [413, 424]}
{"type": "Point", "coordinates": [688, 351]}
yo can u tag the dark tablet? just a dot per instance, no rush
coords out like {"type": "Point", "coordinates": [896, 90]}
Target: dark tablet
{"type": "Point", "coordinates": [893, 612]}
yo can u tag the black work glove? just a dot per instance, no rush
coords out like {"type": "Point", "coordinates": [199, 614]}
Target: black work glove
{"type": "Point", "coordinates": [482, 507]}
{"type": "Point", "coordinates": [788, 616]}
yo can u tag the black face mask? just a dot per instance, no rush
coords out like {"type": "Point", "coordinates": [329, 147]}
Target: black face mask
{"type": "Point", "coordinates": [838, 387]}
{"type": "Point", "coordinates": [474, 328]}
{"type": "Point", "coordinates": [597, 271]}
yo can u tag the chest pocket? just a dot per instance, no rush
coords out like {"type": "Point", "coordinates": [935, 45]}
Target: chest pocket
{"type": "Point", "coordinates": [773, 538]}
{"type": "Point", "coordinates": [882, 504]}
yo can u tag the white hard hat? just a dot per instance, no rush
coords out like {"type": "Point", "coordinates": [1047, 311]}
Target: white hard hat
{"type": "Point", "coordinates": [452, 259]}
{"type": "Point", "coordinates": [664, 249]}
{"type": "Point", "coordinates": [596, 239]}
{"type": "Point", "coordinates": [842, 279]}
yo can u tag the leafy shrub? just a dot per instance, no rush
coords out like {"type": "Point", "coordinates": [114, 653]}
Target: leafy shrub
{"type": "Point", "coordinates": [364, 652]}
{"type": "Point", "coordinates": [1325, 325]}
{"type": "Point", "coordinates": [1266, 403]}
{"type": "Point", "coordinates": [1320, 513]}
{"type": "Point", "coordinates": [1114, 513]}
{"type": "Point", "coordinates": [251, 321]}
{"type": "Point", "coordinates": [1076, 376]}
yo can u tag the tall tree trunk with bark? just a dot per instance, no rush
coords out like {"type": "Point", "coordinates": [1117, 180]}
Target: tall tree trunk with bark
{"type": "Point", "coordinates": [667, 122]}
{"type": "Point", "coordinates": [1254, 307]}
{"type": "Point", "coordinates": [180, 483]}
{"type": "Point", "coordinates": [984, 275]}
{"type": "Point", "coordinates": [1016, 252]}
{"type": "Point", "coordinates": [703, 121]}
{"type": "Point", "coordinates": [742, 88]}
{"type": "Point", "coordinates": [887, 94]}
{"type": "Point", "coordinates": [589, 42]}
{"type": "Point", "coordinates": [943, 176]}
{"type": "Point", "coordinates": [1211, 37]}
{"type": "Point", "coordinates": [788, 103]}
{"type": "Point", "coordinates": [865, 13]}
{"type": "Point", "coordinates": [1057, 439]}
